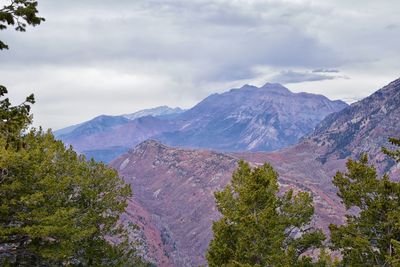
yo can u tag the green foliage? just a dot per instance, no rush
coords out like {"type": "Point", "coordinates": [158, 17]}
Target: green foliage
{"type": "Point", "coordinates": [19, 14]}
{"type": "Point", "coordinates": [394, 154]}
{"type": "Point", "coordinates": [258, 227]}
{"type": "Point", "coordinates": [13, 119]}
{"type": "Point", "coordinates": [370, 238]}
{"type": "Point", "coordinates": [56, 208]}
{"type": "Point", "coordinates": [325, 260]}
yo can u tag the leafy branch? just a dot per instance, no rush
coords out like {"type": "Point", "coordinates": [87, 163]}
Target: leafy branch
{"type": "Point", "coordinates": [19, 13]}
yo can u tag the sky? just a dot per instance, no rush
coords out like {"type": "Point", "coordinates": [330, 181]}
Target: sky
{"type": "Point", "coordinates": [97, 57]}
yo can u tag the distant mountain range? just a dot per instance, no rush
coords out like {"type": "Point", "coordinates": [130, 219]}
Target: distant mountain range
{"type": "Point", "coordinates": [106, 137]}
{"type": "Point", "coordinates": [174, 187]}
{"type": "Point", "coordinates": [246, 119]}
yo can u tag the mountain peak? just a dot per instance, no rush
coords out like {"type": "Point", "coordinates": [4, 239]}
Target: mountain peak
{"type": "Point", "coordinates": [271, 87]}
{"type": "Point", "coordinates": [157, 111]}
{"type": "Point", "coordinates": [248, 86]}
{"type": "Point", "coordinates": [393, 87]}
{"type": "Point", "coordinates": [149, 143]}
{"type": "Point", "coordinates": [276, 87]}
{"type": "Point", "coordinates": [395, 82]}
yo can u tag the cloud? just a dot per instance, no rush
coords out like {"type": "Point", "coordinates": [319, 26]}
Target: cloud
{"type": "Point", "coordinates": [139, 54]}
{"type": "Point", "coordinates": [391, 27]}
{"type": "Point", "coordinates": [290, 76]}
{"type": "Point", "coordinates": [326, 71]}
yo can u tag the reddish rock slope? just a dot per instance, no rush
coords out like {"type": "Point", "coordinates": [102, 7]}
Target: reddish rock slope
{"type": "Point", "coordinates": [176, 187]}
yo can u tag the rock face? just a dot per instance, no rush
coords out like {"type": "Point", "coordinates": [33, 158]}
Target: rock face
{"type": "Point", "coordinates": [151, 247]}
{"type": "Point", "coordinates": [176, 186]}
{"type": "Point", "coordinates": [364, 126]}
{"type": "Point", "coordinates": [245, 119]}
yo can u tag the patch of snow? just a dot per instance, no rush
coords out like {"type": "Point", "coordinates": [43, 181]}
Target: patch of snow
{"type": "Point", "coordinates": [124, 164]}
{"type": "Point", "coordinates": [156, 193]}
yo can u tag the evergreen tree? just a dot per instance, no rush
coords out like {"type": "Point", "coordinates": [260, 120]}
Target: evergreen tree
{"type": "Point", "coordinates": [372, 236]}
{"type": "Point", "coordinates": [394, 154]}
{"type": "Point", "coordinates": [258, 227]}
{"type": "Point", "coordinates": [56, 208]}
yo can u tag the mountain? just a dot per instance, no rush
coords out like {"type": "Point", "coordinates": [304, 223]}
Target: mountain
{"type": "Point", "coordinates": [162, 111]}
{"type": "Point", "coordinates": [96, 125]}
{"type": "Point", "coordinates": [111, 136]}
{"type": "Point", "coordinates": [176, 185]}
{"type": "Point", "coordinates": [106, 137]}
{"type": "Point", "coordinates": [362, 127]}
{"type": "Point", "coordinates": [249, 118]}
{"type": "Point", "coordinates": [66, 130]}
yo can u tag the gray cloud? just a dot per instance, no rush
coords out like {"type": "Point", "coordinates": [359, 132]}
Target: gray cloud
{"type": "Point", "coordinates": [290, 76]}
{"type": "Point", "coordinates": [98, 56]}
{"type": "Point", "coordinates": [391, 27]}
{"type": "Point", "coordinates": [326, 71]}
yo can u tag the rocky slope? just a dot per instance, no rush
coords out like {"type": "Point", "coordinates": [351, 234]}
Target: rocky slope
{"type": "Point", "coordinates": [176, 185]}
{"type": "Point", "coordinates": [148, 235]}
{"type": "Point", "coordinates": [249, 118]}
{"type": "Point", "coordinates": [364, 126]}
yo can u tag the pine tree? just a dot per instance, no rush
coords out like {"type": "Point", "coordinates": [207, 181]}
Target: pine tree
{"type": "Point", "coordinates": [56, 208]}
{"type": "Point", "coordinates": [371, 236]}
{"type": "Point", "coordinates": [258, 227]}
{"type": "Point", "coordinates": [394, 154]}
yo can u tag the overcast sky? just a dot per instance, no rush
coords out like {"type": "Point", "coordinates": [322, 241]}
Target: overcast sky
{"type": "Point", "coordinates": [97, 57]}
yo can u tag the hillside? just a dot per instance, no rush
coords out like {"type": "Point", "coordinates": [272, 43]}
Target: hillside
{"type": "Point", "coordinates": [176, 187]}
{"type": "Point", "coordinates": [364, 126]}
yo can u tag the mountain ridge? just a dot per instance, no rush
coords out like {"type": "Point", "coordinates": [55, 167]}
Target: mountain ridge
{"type": "Point", "coordinates": [349, 131]}
{"type": "Point", "coordinates": [247, 118]}
{"type": "Point", "coordinates": [156, 112]}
